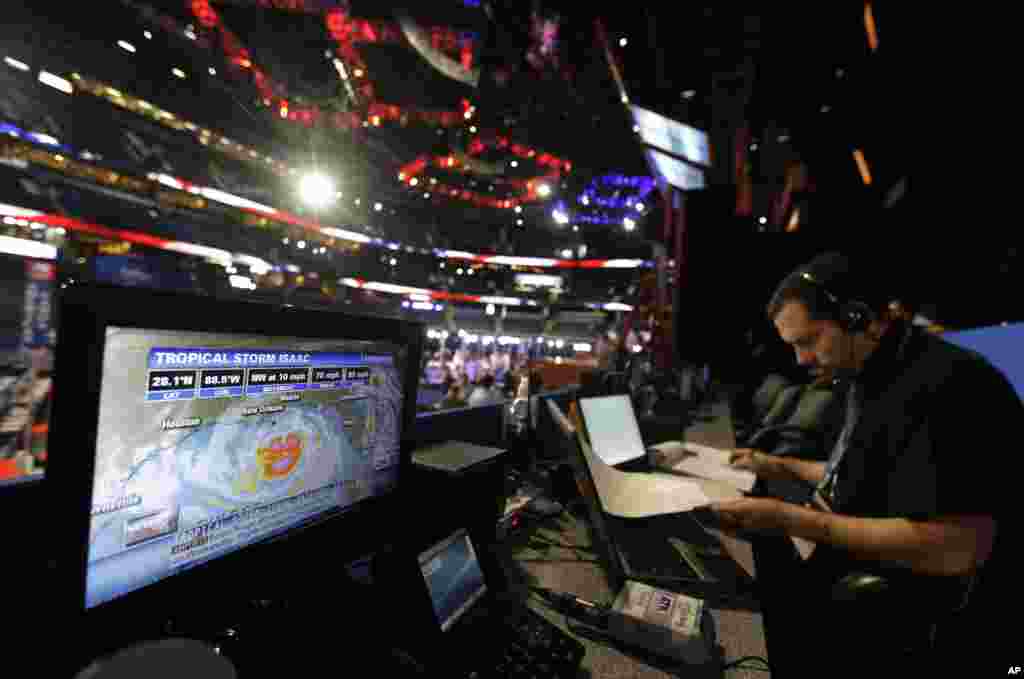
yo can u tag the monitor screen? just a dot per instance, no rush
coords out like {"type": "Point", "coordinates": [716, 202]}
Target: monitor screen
{"type": "Point", "coordinates": [209, 442]}
{"type": "Point", "coordinates": [453, 576]}
{"type": "Point", "coordinates": [612, 428]}
{"type": "Point", "coordinates": [676, 172]}
{"type": "Point", "coordinates": [672, 136]}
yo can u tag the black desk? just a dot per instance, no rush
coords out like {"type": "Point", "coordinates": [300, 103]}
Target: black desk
{"type": "Point", "coordinates": [739, 633]}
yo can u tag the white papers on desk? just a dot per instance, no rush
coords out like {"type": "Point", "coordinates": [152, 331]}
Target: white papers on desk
{"type": "Point", "coordinates": [706, 462]}
{"type": "Point", "coordinates": [631, 495]}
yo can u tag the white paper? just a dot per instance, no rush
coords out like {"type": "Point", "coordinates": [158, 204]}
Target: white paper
{"type": "Point", "coordinates": [706, 462]}
{"type": "Point", "coordinates": [631, 495]}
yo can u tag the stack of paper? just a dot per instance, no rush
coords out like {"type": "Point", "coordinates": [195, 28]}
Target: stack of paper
{"type": "Point", "coordinates": [705, 462]}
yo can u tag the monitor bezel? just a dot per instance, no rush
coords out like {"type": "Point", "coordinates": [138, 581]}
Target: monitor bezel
{"type": "Point", "coordinates": [85, 312]}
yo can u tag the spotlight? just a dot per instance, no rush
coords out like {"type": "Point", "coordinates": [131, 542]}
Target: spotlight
{"type": "Point", "coordinates": [126, 46]}
{"type": "Point", "coordinates": [543, 190]}
{"type": "Point", "coordinates": [317, 190]}
{"type": "Point", "coordinates": [629, 224]}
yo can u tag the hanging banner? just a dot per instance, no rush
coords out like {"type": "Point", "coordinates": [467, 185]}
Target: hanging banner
{"type": "Point", "coordinates": [37, 327]}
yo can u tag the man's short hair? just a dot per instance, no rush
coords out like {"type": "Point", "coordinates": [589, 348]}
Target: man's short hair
{"type": "Point", "coordinates": [833, 275]}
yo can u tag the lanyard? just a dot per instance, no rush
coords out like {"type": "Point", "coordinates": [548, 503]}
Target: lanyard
{"type": "Point", "coordinates": [827, 487]}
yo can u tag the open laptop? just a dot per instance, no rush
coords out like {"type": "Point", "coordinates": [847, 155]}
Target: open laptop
{"type": "Point", "coordinates": [612, 430]}
{"type": "Point", "coordinates": [453, 616]}
{"type": "Point", "coordinates": [671, 551]}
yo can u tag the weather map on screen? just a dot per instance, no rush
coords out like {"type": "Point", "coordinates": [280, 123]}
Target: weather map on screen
{"type": "Point", "coordinates": [207, 443]}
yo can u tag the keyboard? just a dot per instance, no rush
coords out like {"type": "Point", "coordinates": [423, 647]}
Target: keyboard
{"type": "Point", "coordinates": [526, 646]}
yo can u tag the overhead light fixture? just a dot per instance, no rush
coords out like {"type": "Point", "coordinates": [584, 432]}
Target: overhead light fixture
{"type": "Point", "coordinates": [862, 167]}
{"type": "Point", "coordinates": [301, 245]}
{"type": "Point", "coordinates": [426, 196]}
{"type": "Point", "coordinates": [393, 261]}
{"type": "Point", "coordinates": [211, 71]}
{"type": "Point", "coordinates": [472, 129]}
{"type": "Point", "coordinates": [458, 272]}
{"type": "Point", "coordinates": [27, 248]}
{"type": "Point", "coordinates": [126, 46]}
{"type": "Point", "coordinates": [543, 190]}
{"type": "Point", "coordinates": [575, 228]}
{"type": "Point", "coordinates": [689, 94]}
{"type": "Point", "coordinates": [317, 190]}
{"type": "Point", "coordinates": [190, 34]}
{"type": "Point", "coordinates": [56, 82]}
{"type": "Point", "coordinates": [519, 222]}
{"type": "Point", "coordinates": [640, 207]}
{"type": "Point", "coordinates": [567, 254]}
{"type": "Point", "coordinates": [514, 163]}
{"type": "Point", "coordinates": [178, 72]}
{"type": "Point", "coordinates": [623, 42]}
{"type": "Point", "coordinates": [629, 224]}
{"type": "Point", "coordinates": [518, 209]}
{"type": "Point", "coordinates": [414, 181]}
{"type": "Point", "coordinates": [560, 217]}
{"type": "Point", "coordinates": [148, 35]}
{"type": "Point", "coordinates": [378, 207]}
{"type": "Point", "coordinates": [763, 220]}
{"type": "Point", "coordinates": [14, 63]}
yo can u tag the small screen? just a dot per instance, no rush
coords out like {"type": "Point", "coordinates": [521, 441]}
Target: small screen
{"type": "Point", "coordinates": [207, 443]}
{"type": "Point", "coordinates": [612, 428]}
{"type": "Point", "coordinates": [453, 576]}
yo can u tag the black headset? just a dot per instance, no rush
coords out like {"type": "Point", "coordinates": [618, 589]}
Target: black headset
{"type": "Point", "coordinates": [853, 315]}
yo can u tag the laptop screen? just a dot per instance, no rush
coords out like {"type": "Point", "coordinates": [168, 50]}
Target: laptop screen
{"type": "Point", "coordinates": [453, 576]}
{"type": "Point", "coordinates": [612, 429]}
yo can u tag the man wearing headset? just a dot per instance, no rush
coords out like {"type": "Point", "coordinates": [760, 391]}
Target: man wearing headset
{"type": "Point", "coordinates": [915, 490]}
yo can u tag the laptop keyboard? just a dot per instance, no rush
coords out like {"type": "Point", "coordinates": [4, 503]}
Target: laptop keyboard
{"type": "Point", "coordinates": [528, 646]}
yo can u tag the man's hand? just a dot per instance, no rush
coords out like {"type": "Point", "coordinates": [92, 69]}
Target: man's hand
{"type": "Point", "coordinates": [763, 516]}
{"type": "Point", "coordinates": [755, 461]}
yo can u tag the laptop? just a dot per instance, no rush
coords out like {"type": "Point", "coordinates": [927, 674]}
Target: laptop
{"type": "Point", "coordinates": [614, 436]}
{"type": "Point", "coordinates": [671, 551]}
{"type": "Point", "coordinates": [453, 616]}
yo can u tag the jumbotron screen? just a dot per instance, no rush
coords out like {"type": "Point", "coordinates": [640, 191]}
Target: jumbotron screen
{"type": "Point", "coordinates": [207, 443]}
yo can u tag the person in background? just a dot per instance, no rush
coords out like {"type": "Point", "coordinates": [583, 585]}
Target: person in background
{"type": "Point", "coordinates": [455, 396]}
{"type": "Point", "coordinates": [485, 392]}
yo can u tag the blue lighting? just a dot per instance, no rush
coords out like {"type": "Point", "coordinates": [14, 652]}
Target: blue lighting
{"type": "Point", "coordinates": [608, 196]}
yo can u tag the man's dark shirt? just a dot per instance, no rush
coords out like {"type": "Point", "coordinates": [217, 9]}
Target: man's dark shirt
{"type": "Point", "coordinates": [937, 435]}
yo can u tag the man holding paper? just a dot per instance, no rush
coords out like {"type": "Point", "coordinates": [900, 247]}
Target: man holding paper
{"type": "Point", "coordinates": [901, 494]}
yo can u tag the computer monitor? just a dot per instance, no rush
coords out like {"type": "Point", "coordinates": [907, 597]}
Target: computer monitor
{"type": "Point", "coordinates": [454, 580]}
{"type": "Point", "coordinates": [196, 435]}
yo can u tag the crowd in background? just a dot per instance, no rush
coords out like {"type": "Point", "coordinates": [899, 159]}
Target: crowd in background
{"type": "Point", "coordinates": [473, 377]}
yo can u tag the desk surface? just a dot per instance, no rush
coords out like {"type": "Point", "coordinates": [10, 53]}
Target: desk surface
{"type": "Point", "coordinates": [739, 633]}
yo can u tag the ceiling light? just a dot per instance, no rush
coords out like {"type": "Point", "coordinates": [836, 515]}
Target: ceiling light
{"type": "Point", "coordinates": [285, 241]}
{"type": "Point", "coordinates": [178, 72]}
{"type": "Point", "coordinates": [301, 244]}
{"type": "Point", "coordinates": [640, 207]}
{"type": "Point", "coordinates": [458, 271]}
{"type": "Point", "coordinates": [212, 71]}
{"type": "Point", "coordinates": [358, 73]}
{"type": "Point", "coordinates": [636, 129]}
{"type": "Point", "coordinates": [514, 163]}
{"type": "Point", "coordinates": [576, 228]}
{"type": "Point", "coordinates": [414, 181]}
{"type": "Point", "coordinates": [689, 94]}
{"type": "Point", "coordinates": [629, 224]}
{"type": "Point", "coordinates": [519, 222]}
{"type": "Point", "coordinates": [567, 253]}
{"type": "Point", "coordinates": [473, 129]}
{"type": "Point", "coordinates": [753, 147]}
{"type": "Point", "coordinates": [442, 265]}
{"type": "Point", "coordinates": [560, 217]}
{"type": "Point", "coordinates": [56, 82]}
{"type": "Point", "coordinates": [426, 196]}
{"type": "Point", "coordinates": [126, 46]}
{"type": "Point", "coordinates": [763, 220]}
{"type": "Point", "coordinates": [393, 261]}
{"type": "Point", "coordinates": [14, 63]}
{"type": "Point", "coordinates": [378, 207]}
{"type": "Point", "coordinates": [190, 34]}
{"type": "Point", "coordinates": [148, 34]}
{"type": "Point", "coordinates": [623, 42]}
{"type": "Point", "coordinates": [317, 190]}
{"type": "Point", "coordinates": [543, 190]}
{"type": "Point", "coordinates": [518, 209]}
